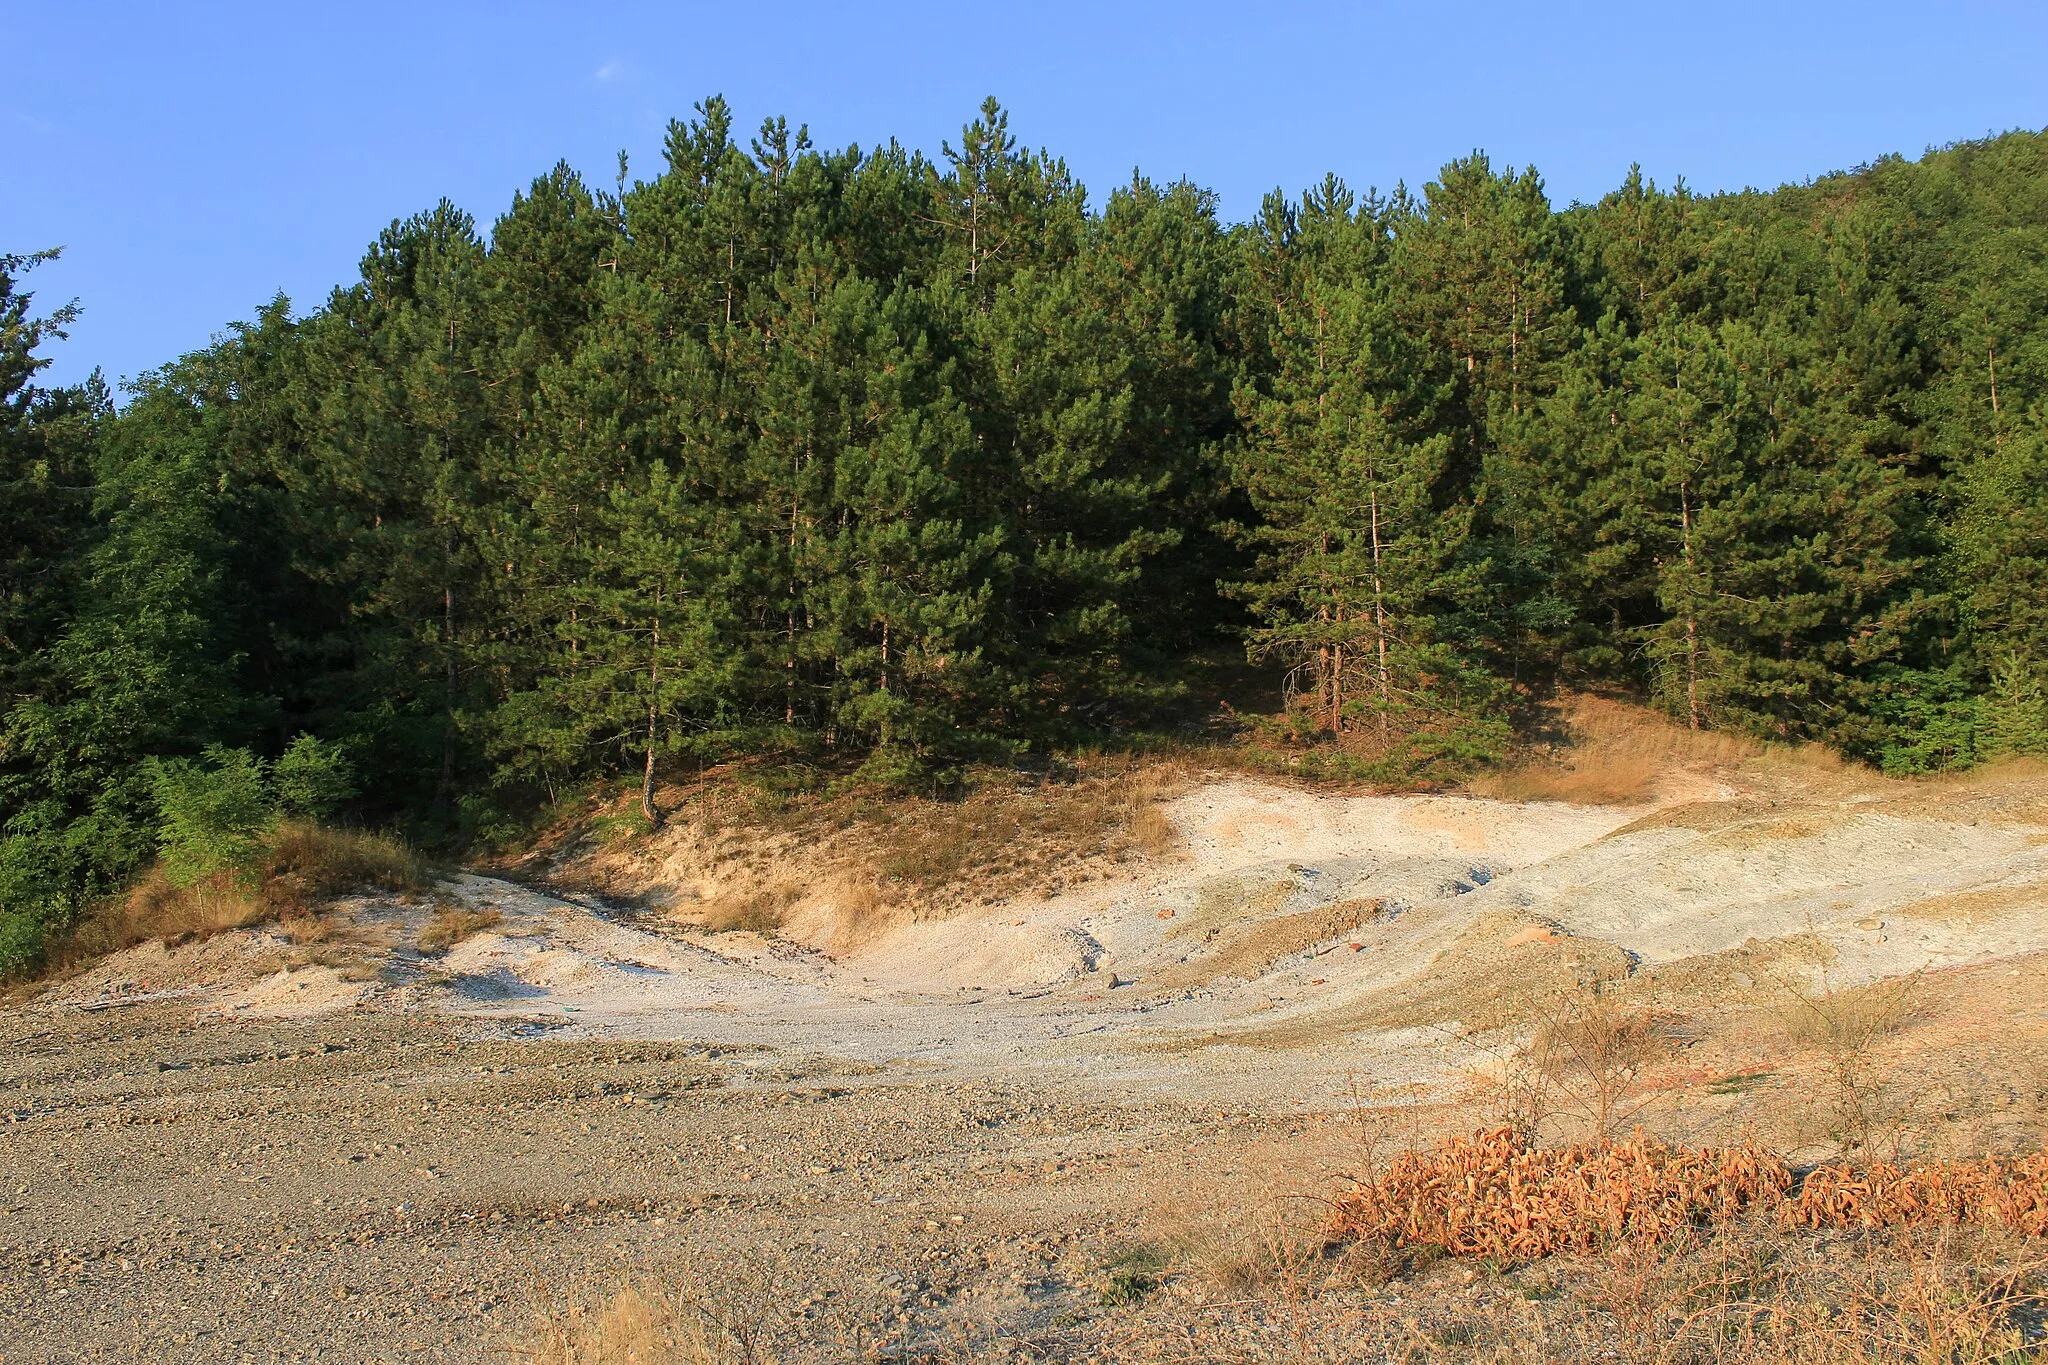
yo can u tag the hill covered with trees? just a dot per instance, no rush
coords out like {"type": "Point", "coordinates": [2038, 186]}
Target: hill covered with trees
{"type": "Point", "coordinates": [885, 465]}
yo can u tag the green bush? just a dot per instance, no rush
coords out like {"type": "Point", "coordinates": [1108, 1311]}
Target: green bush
{"type": "Point", "coordinates": [313, 779]}
{"type": "Point", "coordinates": [215, 815]}
{"type": "Point", "coordinates": [2015, 712]}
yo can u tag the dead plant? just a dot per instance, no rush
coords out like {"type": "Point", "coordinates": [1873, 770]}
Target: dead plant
{"type": "Point", "coordinates": [1577, 1057]}
{"type": "Point", "coordinates": [1991, 1192]}
{"type": "Point", "coordinates": [1494, 1195]}
{"type": "Point", "coordinates": [1595, 1048]}
{"type": "Point", "coordinates": [1863, 1109]}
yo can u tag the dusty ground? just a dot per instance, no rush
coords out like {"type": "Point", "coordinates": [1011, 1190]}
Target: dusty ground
{"type": "Point", "coordinates": [956, 1130]}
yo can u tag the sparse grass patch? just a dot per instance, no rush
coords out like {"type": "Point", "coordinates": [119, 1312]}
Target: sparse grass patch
{"type": "Point", "coordinates": [759, 912]}
{"type": "Point", "coordinates": [1233, 1252]}
{"type": "Point", "coordinates": [1862, 1107]}
{"type": "Point", "coordinates": [450, 924]}
{"type": "Point", "coordinates": [300, 865]}
{"type": "Point", "coordinates": [638, 1325]}
{"type": "Point", "coordinates": [1001, 837]}
{"type": "Point", "coordinates": [770, 837]}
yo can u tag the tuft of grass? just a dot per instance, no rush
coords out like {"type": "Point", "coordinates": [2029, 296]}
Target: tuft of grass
{"type": "Point", "coordinates": [450, 924]}
{"type": "Point", "coordinates": [1128, 1285]}
{"type": "Point", "coordinates": [639, 1325]}
{"type": "Point", "coordinates": [308, 863]}
{"type": "Point", "coordinates": [759, 912]}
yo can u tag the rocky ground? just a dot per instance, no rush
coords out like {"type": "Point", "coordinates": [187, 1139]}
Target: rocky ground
{"type": "Point", "coordinates": [993, 1132]}
{"type": "Point", "coordinates": [388, 1187]}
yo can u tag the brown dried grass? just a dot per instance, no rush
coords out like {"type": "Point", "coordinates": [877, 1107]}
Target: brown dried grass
{"type": "Point", "coordinates": [1493, 1195]}
{"type": "Point", "coordinates": [850, 864]}
{"type": "Point", "coordinates": [1615, 754]}
{"type": "Point", "coordinates": [1003, 839]}
{"type": "Point", "coordinates": [451, 924]}
{"type": "Point", "coordinates": [309, 863]}
{"type": "Point", "coordinates": [637, 1325]}
{"type": "Point", "coordinates": [303, 866]}
{"type": "Point", "coordinates": [1739, 1295]}
{"type": "Point", "coordinates": [758, 911]}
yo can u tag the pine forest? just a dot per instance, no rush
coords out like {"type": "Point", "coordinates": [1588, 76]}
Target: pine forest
{"type": "Point", "coordinates": [887, 470]}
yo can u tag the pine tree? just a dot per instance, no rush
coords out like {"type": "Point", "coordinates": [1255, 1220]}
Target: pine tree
{"type": "Point", "coordinates": [1362, 519]}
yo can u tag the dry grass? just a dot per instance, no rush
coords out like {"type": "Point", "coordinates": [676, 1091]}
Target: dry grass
{"type": "Point", "coordinates": [450, 924]}
{"type": "Point", "coordinates": [1861, 1108]}
{"type": "Point", "coordinates": [1738, 1295]}
{"type": "Point", "coordinates": [638, 1325]}
{"type": "Point", "coordinates": [1239, 1252]}
{"type": "Point", "coordinates": [1739, 1292]}
{"type": "Point", "coordinates": [860, 861]}
{"type": "Point", "coordinates": [303, 866]}
{"type": "Point", "coordinates": [1494, 976]}
{"type": "Point", "coordinates": [1854, 1018]}
{"type": "Point", "coordinates": [1000, 841]}
{"type": "Point", "coordinates": [309, 863]}
{"type": "Point", "coordinates": [760, 911]}
{"type": "Point", "coordinates": [154, 907]}
{"type": "Point", "coordinates": [1615, 754]}
{"type": "Point", "coordinates": [1247, 950]}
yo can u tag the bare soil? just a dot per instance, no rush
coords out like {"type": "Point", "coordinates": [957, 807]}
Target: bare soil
{"type": "Point", "coordinates": [405, 1128]}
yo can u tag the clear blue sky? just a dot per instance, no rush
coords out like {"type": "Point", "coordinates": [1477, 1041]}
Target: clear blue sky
{"type": "Point", "coordinates": [194, 159]}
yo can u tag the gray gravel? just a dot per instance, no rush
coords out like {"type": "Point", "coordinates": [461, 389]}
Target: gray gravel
{"type": "Point", "coordinates": [393, 1187]}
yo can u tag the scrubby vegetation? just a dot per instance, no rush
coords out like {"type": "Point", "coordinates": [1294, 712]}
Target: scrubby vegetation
{"type": "Point", "coordinates": [884, 466]}
{"type": "Point", "coordinates": [236, 846]}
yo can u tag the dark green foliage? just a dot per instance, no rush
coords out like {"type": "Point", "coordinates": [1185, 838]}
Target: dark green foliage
{"type": "Point", "coordinates": [881, 466]}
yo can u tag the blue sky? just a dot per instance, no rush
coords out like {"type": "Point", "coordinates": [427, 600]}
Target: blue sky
{"type": "Point", "coordinates": [195, 159]}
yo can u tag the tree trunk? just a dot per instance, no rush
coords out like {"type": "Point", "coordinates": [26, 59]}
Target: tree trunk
{"type": "Point", "coordinates": [1692, 625]}
{"type": "Point", "coordinates": [647, 806]}
{"type": "Point", "coordinates": [1337, 684]}
{"type": "Point", "coordinates": [444, 791]}
{"type": "Point", "coordinates": [1991, 363]}
{"type": "Point", "coordinates": [1379, 617]}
